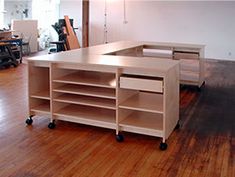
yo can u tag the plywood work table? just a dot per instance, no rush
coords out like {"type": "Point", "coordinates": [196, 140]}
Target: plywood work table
{"type": "Point", "coordinates": [97, 86]}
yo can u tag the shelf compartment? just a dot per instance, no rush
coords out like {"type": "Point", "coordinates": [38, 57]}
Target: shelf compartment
{"type": "Point", "coordinates": [86, 100]}
{"type": "Point", "coordinates": [39, 83]}
{"type": "Point", "coordinates": [151, 84]}
{"type": "Point", "coordinates": [42, 108]}
{"type": "Point", "coordinates": [87, 91]}
{"type": "Point", "coordinates": [87, 115]}
{"type": "Point", "coordinates": [42, 95]}
{"type": "Point", "coordinates": [144, 101]}
{"type": "Point", "coordinates": [143, 123]}
{"type": "Point", "coordinates": [106, 80]}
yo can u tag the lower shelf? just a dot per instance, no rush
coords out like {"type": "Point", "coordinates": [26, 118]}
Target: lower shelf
{"type": "Point", "coordinates": [87, 115]}
{"type": "Point", "coordinates": [143, 123]}
{"type": "Point", "coordinates": [42, 108]}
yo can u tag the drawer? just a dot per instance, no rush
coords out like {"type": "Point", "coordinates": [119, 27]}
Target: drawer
{"type": "Point", "coordinates": [145, 84]}
{"type": "Point", "coordinates": [182, 55]}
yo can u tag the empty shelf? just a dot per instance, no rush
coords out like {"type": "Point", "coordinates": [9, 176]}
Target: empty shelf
{"type": "Point", "coordinates": [144, 123]}
{"type": "Point", "coordinates": [42, 95]}
{"type": "Point", "coordinates": [144, 102]}
{"type": "Point", "coordinates": [87, 115]}
{"type": "Point", "coordinates": [42, 108]}
{"type": "Point", "coordinates": [87, 90]}
{"type": "Point", "coordinates": [104, 80]}
{"type": "Point", "coordinates": [88, 101]}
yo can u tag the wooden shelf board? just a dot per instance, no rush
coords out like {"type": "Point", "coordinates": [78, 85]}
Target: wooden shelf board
{"type": "Point", "coordinates": [88, 101]}
{"type": "Point", "coordinates": [143, 101]}
{"type": "Point", "coordinates": [87, 115]}
{"type": "Point", "coordinates": [45, 94]}
{"type": "Point", "coordinates": [86, 90]}
{"type": "Point", "coordinates": [195, 83]}
{"type": "Point", "coordinates": [42, 108]}
{"type": "Point", "coordinates": [144, 123]}
{"type": "Point", "coordinates": [105, 80]}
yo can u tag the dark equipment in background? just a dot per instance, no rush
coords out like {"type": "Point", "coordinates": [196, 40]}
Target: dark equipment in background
{"type": "Point", "coordinates": [60, 28]}
{"type": "Point", "coordinates": [7, 58]}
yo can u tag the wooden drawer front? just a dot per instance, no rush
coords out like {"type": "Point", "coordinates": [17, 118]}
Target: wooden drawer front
{"type": "Point", "coordinates": [181, 55]}
{"type": "Point", "coordinates": [141, 84]}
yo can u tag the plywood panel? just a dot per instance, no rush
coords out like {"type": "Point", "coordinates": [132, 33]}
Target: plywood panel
{"type": "Point", "coordinates": [29, 28]}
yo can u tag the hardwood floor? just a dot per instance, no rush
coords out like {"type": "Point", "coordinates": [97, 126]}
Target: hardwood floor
{"type": "Point", "coordinates": [203, 147]}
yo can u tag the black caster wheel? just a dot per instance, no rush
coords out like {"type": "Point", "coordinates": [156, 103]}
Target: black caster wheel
{"type": "Point", "coordinates": [163, 146]}
{"type": "Point", "coordinates": [51, 125]}
{"type": "Point", "coordinates": [119, 138]}
{"type": "Point", "coordinates": [29, 121]}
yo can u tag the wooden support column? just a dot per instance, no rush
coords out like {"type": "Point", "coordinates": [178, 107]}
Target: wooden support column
{"type": "Point", "coordinates": [85, 23]}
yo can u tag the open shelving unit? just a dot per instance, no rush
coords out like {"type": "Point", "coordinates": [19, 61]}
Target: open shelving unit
{"type": "Point", "coordinates": [143, 109]}
{"type": "Point", "coordinates": [119, 93]}
{"type": "Point", "coordinates": [84, 96]}
{"type": "Point", "coordinates": [39, 90]}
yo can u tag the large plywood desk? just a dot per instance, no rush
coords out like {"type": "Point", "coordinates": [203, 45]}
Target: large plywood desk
{"type": "Point", "coordinates": [95, 87]}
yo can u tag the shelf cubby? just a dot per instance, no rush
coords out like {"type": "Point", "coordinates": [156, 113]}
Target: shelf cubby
{"type": "Point", "coordinates": [143, 122]}
{"type": "Point", "coordinates": [86, 100]}
{"type": "Point", "coordinates": [40, 105]}
{"type": "Point", "coordinates": [39, 89]}
{"type": "Point", "coordinates": [45, 94]}
{"type": "Point", "coordinates": [87, 115]}
{"type": "Point", "coordinates": [86, 90]}
{"type": "Point", "coordinates": [89, 78]}
{"type": "Point", "coordinates": [144, 101]}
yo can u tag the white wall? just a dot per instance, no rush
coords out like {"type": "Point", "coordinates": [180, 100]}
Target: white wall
{"type": "Point", "coordinates": [1, 13]}
{"type": "Point", "coordinates": [14, 10]}
{"type": "Point", "coordinates": [47, 13]}
{"type": "Point", "coordinates": [29, 29]}
{"type": "Point", "coordinates": [210, 23]}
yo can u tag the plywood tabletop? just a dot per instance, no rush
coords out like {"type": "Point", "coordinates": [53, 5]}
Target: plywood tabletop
{"type": "Point", "coordinates": [95, 56]}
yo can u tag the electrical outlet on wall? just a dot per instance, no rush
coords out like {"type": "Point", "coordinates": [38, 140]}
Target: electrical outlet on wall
{"type": "Point", "coordinates": [125, 22]}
